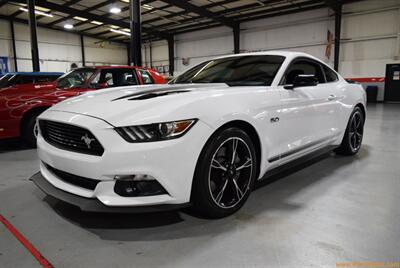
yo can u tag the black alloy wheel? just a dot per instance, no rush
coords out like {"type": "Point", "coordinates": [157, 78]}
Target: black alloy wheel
{"type": "Point", "coordinates": [353, 136]}
{"type": "Point", "coordinates": [230, 172]}
{"type": "Point", "coordinates": [225, 174]}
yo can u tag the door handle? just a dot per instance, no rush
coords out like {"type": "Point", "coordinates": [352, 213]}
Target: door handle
{"type": "Point", "coordinates": [331, 97]}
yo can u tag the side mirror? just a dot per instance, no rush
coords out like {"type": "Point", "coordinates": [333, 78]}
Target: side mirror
{"type": "Point", "coordinates": [303, 80]}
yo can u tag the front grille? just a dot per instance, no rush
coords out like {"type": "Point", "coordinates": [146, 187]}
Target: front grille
{"type": "Point", "coordinates": [69, 137]}
{"type": "Point", "coordinates": [73, 179]}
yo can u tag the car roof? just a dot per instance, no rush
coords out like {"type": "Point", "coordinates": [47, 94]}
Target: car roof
{"type": "Point", "coordinates": [109, 67]}
{"type": "Point", "coordinates": [288, 54]}
{"type": "Point", "coordinates": [35, 73]}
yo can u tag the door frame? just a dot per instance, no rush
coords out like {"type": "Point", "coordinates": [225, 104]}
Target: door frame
{"type": "Point", "coordinates": [387, 77]}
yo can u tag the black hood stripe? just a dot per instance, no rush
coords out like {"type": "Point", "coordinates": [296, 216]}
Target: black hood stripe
{"type": "Point", "coordinates": [158, 91]}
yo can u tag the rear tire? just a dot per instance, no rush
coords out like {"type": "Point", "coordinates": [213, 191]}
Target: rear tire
{"type": "Point", "coordinates": [30, 130]}
{"type": "Point", "coordinates": [221, 185]}
{"type": "Point", "coordinates": [353, 136]}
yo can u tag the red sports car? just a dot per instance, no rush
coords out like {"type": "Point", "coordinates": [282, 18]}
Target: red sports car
{"type": "Point", "coordinates": [20, 106]}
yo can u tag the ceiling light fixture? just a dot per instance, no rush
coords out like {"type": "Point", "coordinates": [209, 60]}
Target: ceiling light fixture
{"type": "Point", "coordinates": [148, 7]}
{"type": "Point", "coordinates": [120, 32]}
{"type": "Point", "coordinates": [37, 12]}
{"type": "Point", "coordinates": [42, 9]}
{"type": "Point", "coordinates": [80, 18]}
{"type": "Point", "coordinates": [68, 26]}
{"type": "Point", "coordinates": [96, 22]}
{"type": "Point", "coordinates": [115, 10]}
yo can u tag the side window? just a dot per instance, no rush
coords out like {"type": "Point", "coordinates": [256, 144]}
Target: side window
{"type": "Point", "coordinates": [109, 79]}
{"type": "Point", "coordinates": [303, 67]}
{"type": "Point", "coordinates": [25, 79]}
{"type": "Point", "coordinates": [95, 81]}
{"type": "Point", "coordinates": [118, 77]}
{"type": "Point", "coordinates": [128, 78]}
{"type": "Point", "coordinates": [146, 77]}
{"type": "Point", "coordinates": [330, 75]}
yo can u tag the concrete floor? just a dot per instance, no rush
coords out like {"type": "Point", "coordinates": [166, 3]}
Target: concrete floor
{"type": "Point", "coordinates": [336, 209]}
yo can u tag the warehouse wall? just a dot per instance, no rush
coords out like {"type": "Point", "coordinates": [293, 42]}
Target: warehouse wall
{"type": "Point", "coordinates": [57, 49]}
{"type": "Point", "coordinates": [159, 56]}
{"type": "Point", "coordinates": [370, 31]}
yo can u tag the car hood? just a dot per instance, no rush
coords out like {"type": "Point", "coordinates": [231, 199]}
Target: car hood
{"type": "Point", "coordinates": [140, 104]}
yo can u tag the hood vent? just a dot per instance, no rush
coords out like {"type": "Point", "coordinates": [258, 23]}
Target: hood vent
{"type": "Point", "coordinates": [152, 95]}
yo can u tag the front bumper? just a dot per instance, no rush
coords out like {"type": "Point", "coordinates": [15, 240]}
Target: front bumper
{"type": "Point", "coordinates": [172, 163]}
{"type": "Point", "coordinates": [94, 205]}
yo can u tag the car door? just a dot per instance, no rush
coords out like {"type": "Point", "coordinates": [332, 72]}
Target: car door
{"type": "Point", "coordinates": [307, 112]}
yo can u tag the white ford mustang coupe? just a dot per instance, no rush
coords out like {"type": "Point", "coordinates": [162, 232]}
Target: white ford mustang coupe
{"type": "Point", "coordinates": [202, 140]}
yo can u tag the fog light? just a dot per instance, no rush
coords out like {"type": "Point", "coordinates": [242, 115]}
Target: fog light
{"type": "Point", "coordinates": [137, 185]}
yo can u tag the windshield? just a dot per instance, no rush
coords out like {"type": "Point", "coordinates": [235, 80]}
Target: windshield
{"type": "Point", "coordinates": [6, 80]}
{"type": "Point", "coordinates": [258, 70]}
{"type": "Point", "coordinates": [75, 79]}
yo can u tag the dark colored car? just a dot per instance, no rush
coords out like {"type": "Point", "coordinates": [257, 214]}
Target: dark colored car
{"type": "Point", "coordinates": [19, 106]}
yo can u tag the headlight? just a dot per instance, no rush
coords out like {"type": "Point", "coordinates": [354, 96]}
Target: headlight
{"type": "Point", "coordinates": [156, 132]}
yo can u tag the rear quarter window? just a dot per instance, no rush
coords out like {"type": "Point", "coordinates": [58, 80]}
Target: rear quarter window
{"type": "Point", "coordinates": [330, 75]}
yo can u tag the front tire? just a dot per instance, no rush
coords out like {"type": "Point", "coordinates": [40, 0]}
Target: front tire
{"type": "Point", "coordinates": [30, 130]}
{"type": "Point", "coordinates": [225, 174]}
{"type": "Point", "coordinates": [353, 136]}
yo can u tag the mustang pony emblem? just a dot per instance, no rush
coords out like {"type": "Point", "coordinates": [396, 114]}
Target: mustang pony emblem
{"type": "Point", "coordinates": [87, 140]}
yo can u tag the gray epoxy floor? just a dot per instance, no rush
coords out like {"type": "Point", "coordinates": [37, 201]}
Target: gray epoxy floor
{"type": "Point", "coordinates": [336, 209]}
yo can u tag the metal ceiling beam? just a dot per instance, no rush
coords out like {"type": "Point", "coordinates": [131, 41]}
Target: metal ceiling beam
{"type": "Point", "coordinates": [126, 8]}
{"type": "Point", "coordinates": [207, 25]}
{"type": "Point", "coordinates": [102, 4]}
{"type": "Point", "coordinates": [3, 2]}
{"type": "Point", "coordinates": [221, 3]}
{"type": "Point", "coordinates": [281, 8]}
{"type": "Point", "coordinates": [70, 3]}
{"type": "Point", "coordinates": [333, 4]}
{"type": "Point", "coordinates": [91, 16]}
{"type": "Point", "coordinates": [201, 11]}
{"type": "Point", "coordinates": [42, 25]}
{"type": "Point", "coordinates": [282, 13]}
{"type": "Point", "coordinates": [220, 13]}
{"type": "Point", "coordinates": [240, 18]}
